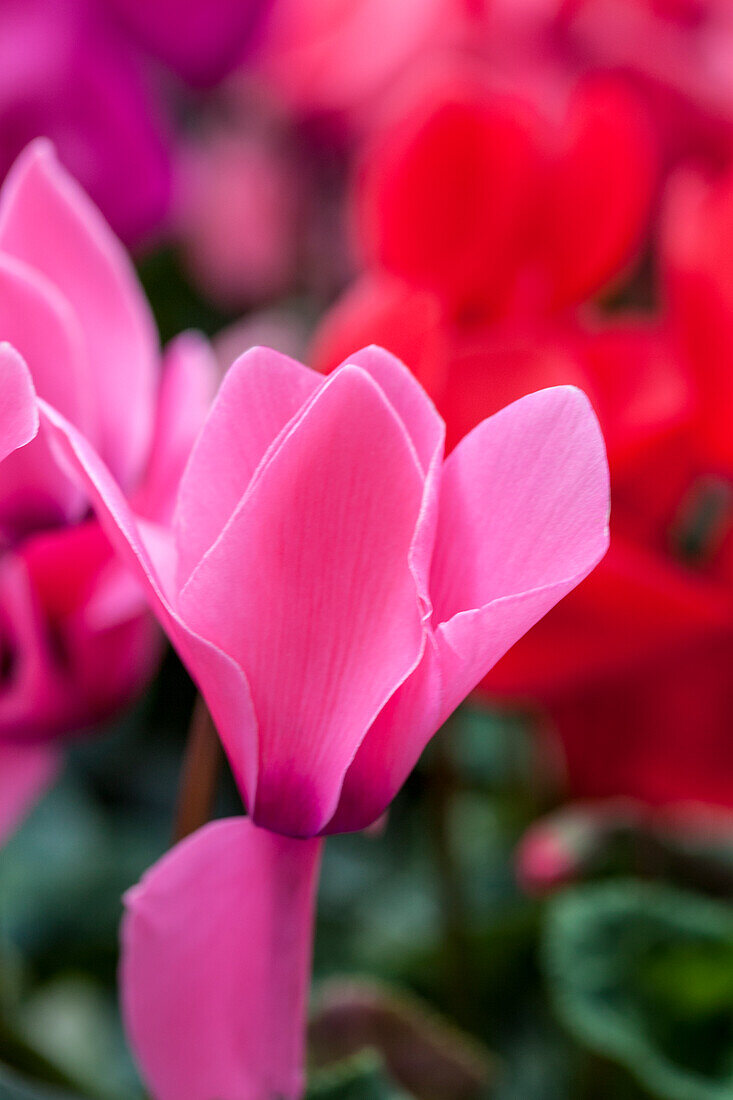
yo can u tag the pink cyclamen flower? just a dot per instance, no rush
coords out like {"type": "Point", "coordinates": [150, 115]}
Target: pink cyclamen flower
{"type": "Point", "coordinates": [77, 640]}
{"type": "Point", "coordinates": [335, 589]}
{"type": "Point", "coordinates": [339, 55]}
{"type": "Point", "coordinates": [237, 215]}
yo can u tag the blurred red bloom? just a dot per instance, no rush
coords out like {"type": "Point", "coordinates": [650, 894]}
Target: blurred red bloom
{"type": "Point", "coordinates": [341, 55]}
{"type": "Point", "coordinates": [677, 53]}
{"type": "Point", "coordinates": [633, 669]}
{"type": "Point", "coordinates": [498, 207]}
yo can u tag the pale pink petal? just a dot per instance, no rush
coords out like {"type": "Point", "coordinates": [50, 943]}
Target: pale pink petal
{"type": "Point", "coordinates": [18, 412]}
{"type": "Point", "coordinates": [523, 519]}
{"type": "Point", "coordinates": [392, 746]}
{"type": "Point", "coordinates": [26, 772]}
{"type": "Point", "coordinates": [408, 399]}
{"type": "Point", "coordinates": [427, 432]}
{"type": "Point", "coordinates": [149, 551]}
{"type": "Point", "coordinates": [310, 589]}
{"type": "Point", "coordinates": [261, 392]}
{"type": "Point", "coordinates": [187, 387]}
{"type": "Point", "coordinates": [548, 466]}
{"type": "Point", "coordinates": [40, 324]}
{"type": "Point", "coordinates": [47, 221]}
{"type": "Point", "coordinates": [216, 955]}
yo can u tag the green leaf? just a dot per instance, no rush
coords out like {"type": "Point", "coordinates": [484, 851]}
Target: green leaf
{"type": "Point", "coordinates": [360, 1077]}
{"type": "Point", "coordinates": [13, 1087]}
{"type": "Point", "coordinates": [643, 974]}
{"type": "Point", "coordinates": [423, 1052]}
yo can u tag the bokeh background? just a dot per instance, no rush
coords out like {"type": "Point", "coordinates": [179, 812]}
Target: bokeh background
{"type": "Point", "coordinates": [508, 194]}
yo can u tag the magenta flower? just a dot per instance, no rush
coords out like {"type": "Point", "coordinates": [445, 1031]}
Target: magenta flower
{"type": "Point", "coordinates": [76, 637]}
{"type": "Point", "coordinates": [335, 589]}
{"type": "Point", "coordinates": [200, 42]}
{"type": "Point", "coordinates": [66, 72]}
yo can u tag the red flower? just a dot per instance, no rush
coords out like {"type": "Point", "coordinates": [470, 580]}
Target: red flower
{"type": "Point", "coordinates": [498, 209]}
{"type": "Point", "coordinates": [633, 668]}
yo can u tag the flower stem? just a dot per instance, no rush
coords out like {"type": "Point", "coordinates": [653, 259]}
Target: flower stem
{"type": "Point", "coordinates": [199, 775]}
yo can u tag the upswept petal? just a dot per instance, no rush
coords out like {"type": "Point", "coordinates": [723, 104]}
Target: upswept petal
{"type": "Point", "coordinates": [18, 412]}
{"type": "Point", "coordinates": [26, 771]}
{"type": "Point", "coordinates": [310, 589]}
{"type": "Point", "coordinates": [187, 386]}
{"type": "Point", "coordinates": [216, 953]}
{"type": "Point", "coordinates": [408, 399]}
{"type": "Point", "coordinates": [523, 518]}
{"type": "Point", "coordinates": [47, 221]}
{"type": "Point", "coordinates": [427, 432]}
{"type": "Point", "coordinates": [149, 552]}
{"type": "Point", "coordinates": [261, 392]}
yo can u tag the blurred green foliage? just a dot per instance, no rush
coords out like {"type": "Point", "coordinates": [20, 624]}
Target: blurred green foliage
{"type": "Point", "coordinates": [644, 974]}
{"type": "Point", "coordinates": [608, 991]}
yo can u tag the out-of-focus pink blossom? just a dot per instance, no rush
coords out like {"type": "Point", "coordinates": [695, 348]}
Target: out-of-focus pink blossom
{"type": "Point", "coordinates": [565, 844]}
{"type": "Point", "coordinates": [340, 55]}
{"type": "Point", "coordinates": [76, 640]}
{"type": "Point", "coordinates": [544, 860]}
{"type": "Point", "coordinates": [66, 74]}
{"type": "Point", "coordinates": [237, 215]}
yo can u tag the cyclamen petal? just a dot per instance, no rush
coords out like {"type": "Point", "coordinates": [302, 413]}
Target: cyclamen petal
{"type": "Point", "coordinates": [35, 317]}
{"type": "Point", "coordinates": [427, 432]}
{"type": "Point", "coordinates": [261, 393]}
{"type": "Point", "coordinates": [524, 517]}
{"type": "Point", "coordinates": [77, 637]}
{"type": "Point", "coordinates": [187, 386]}
{"type": "Point", "coordinates": [48, 222]}
{"type": "Point", "coordinates": [18, 411]}
{"type": "Point", "coordinates": [310, 589]}
{"type": "Point", "coordinates": [216, 948]}
{"type": "Point", "coordinates": [149, 552]}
